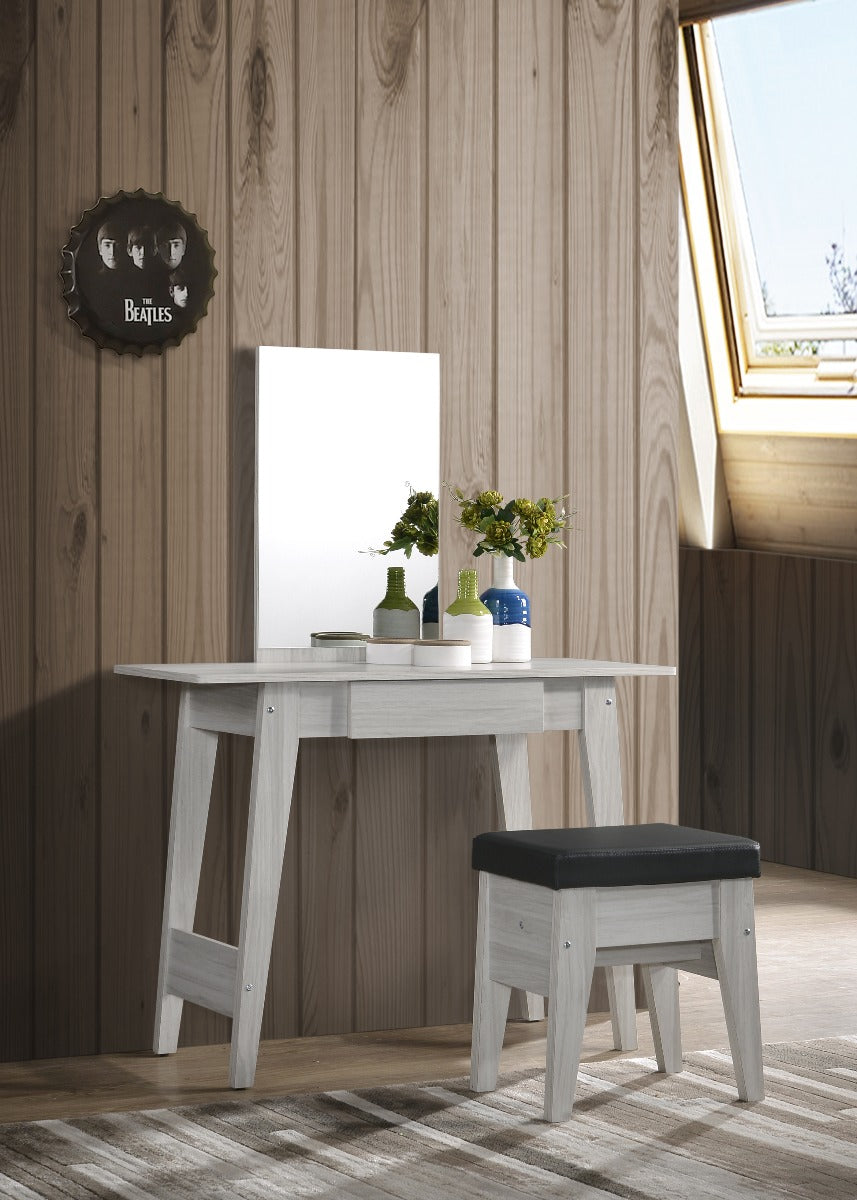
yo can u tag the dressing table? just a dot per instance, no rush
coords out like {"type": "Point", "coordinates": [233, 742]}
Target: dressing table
{"type": "Point", "coordinates": [317, 694]}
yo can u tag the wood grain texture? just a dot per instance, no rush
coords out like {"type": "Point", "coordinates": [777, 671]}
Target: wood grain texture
{"type": "Point", "coordinates": [66, 811]}
{"type": "Point", "coordinates": [659, 391]}
{"type": "Point", "coordinates": [835, 725]}
{"type": "Point", "coordinates": [783, 745]}
{"type": "Point", "coordinates": [197, 419]}
{"type": "Point", "coordinates": [17, 287]}
{"type": "Point", "coordinates": [458, 317]}
{"type": "Point", "coordinates": [690, 668]}
{"type": "Point", "coordinates": [327, 56]}
{"type": "Point", "coordinates": [530, 334]}
{"type": "Point", "coordinates": [263, 307]}
{"type": "Point", "coordinates": [389, 883]}
{"type": "Point", "coordinates": [131, 581]}
{"type": "Point", "coordinates": [390, 83]}
{"type": "Point", "coordinates": [602, 348]}
{"type": "Point", "coordinates": [729, 633]}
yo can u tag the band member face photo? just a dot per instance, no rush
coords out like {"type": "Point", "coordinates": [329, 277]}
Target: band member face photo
{"type": "Point", "coordinates": [172, 241]}
{"type": "Point", "coordinates": [139, 242]}
{"type": "Point", "coordinates": [108, 241]}
{"type": "Point", "coordinates": [178, 288]}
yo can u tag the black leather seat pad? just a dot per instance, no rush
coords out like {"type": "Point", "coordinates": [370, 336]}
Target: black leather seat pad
{"type": "Point", "coordinates": [616, 855]}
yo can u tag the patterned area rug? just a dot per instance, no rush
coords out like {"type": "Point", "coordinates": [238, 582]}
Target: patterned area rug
{"type": "Point", "coordinates": [634, 1133]}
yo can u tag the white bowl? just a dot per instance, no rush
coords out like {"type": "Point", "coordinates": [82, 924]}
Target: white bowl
{"type": "Point", "coordinates": [444, 653]}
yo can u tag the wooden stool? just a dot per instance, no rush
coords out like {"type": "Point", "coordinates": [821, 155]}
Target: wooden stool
{"type": "Point", "coordinates": [555, 903]}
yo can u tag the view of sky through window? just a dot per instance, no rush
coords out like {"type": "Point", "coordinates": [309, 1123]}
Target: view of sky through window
{"type": "Point", "coordinates": [790, 78]}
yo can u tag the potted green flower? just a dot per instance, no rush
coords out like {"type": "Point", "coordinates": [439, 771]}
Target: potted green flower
{"type": "Point", "coordinates": [508, 530]}
{"type": "Point", "coordinates": [416, 528]}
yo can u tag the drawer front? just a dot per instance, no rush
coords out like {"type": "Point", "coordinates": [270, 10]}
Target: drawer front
{"type": "Point", "coordinates": [444, 708]}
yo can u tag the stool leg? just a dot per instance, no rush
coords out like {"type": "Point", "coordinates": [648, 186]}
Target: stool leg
{"type": "Point", "coordinates": [490, 1005]}
{"type": "Point", "coordinates": [572, 961]}
{"type": "Point", "coordinates": [735, 956]}
{"type": "Point", "coordinates": [623, 1006]}
{"type": "Point", "coordinates": [661, 984]}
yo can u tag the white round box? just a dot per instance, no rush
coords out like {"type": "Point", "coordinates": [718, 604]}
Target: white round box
{"type": "Point", "coordinates": [390, 652]}
{"type": "Point", "coordinates": [454, 655]}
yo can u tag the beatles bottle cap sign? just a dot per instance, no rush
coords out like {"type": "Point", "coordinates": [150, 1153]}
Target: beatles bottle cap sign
{"type": "Point", "coordinates": [138, 273]}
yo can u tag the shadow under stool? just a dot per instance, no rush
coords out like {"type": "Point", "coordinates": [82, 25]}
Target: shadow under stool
{"type": "Point", "coordinates": [556, 903]}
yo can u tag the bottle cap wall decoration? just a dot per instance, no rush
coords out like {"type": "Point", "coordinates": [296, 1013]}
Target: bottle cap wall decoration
{"type": "Point", "coordinates": [138, 273]}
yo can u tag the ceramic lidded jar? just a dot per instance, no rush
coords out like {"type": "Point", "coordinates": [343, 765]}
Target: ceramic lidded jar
{"type": "Point", "coordinates": [468, 619]}
{"type": "Point", "coordinates": [396, 616]}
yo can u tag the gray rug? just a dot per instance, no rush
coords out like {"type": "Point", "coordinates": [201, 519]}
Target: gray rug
{"type": "Point", "coordinates": [634, 1133]}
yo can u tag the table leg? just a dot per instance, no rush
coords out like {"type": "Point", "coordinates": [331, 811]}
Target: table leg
{"type": "Point", "coordinates": [602, 786]}
{"type": "Point", "coordinates": [196, 750]}
{"type": "Point", "coordinates": [514, 811]}
{"type": "Point", "coordinates": [274, 759]}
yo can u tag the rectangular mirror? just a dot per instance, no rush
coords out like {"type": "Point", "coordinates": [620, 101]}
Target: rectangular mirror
{"type": "Point", "coordinates": [340, 434]}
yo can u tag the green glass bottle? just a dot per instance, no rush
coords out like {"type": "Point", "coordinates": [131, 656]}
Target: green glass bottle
{"type": "Point", "coordinates": [396, 616]}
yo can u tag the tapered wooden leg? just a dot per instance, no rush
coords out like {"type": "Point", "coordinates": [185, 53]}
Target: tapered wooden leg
{"type": "Point", "coordinates": [735, 956]}
{"type": "Point", "coordinates": [572, 961]}
{"type": "Point", "coordinates": [661, 984]}
{"type": "Point", "coordinates": [274, 760]}
{"type": "Point", "coordinates": [196, 750]}
{"type": "Point", "coordinates": [490, 1005]}
{"type": "Point", "coordinates": [514, 811]}
{"type": "Point", "coordinates": [602, 787]}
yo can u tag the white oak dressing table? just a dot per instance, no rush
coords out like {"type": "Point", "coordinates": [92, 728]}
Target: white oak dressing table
{"type": "Point", "coordinates": [279, 703]}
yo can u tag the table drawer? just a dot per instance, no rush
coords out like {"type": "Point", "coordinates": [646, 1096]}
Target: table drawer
{"type": "Point", "coordinates": [443, 708]}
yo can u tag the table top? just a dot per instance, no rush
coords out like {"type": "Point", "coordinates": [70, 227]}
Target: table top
{"type": "Point", "coordinates": [349, 672]}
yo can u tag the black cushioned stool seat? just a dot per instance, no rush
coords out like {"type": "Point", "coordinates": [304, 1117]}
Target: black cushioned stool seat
{"type": "Point", "coordinates": [556, 903]}
{"type": "Point", "coordinates": [616, 855]}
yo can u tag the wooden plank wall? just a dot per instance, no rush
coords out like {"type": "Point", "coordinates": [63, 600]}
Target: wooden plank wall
{"type": "Point", "coordinates": [495, 181]}
{"type": "Point", "coordinates": [768, 703]}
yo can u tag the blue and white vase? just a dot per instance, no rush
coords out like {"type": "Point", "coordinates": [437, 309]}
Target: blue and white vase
{"type": "Point", "coordinates": [431, 616]}
{"type": "Point", "coordinates": [510, 611]}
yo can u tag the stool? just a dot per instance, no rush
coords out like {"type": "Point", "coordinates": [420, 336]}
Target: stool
{"type": "Point", "coordinates": [555, 903]}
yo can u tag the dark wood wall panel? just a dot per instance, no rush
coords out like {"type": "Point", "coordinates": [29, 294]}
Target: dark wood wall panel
{"type": "Point", "coordinates": [835, 706]}
{"type": "Point", "coordinates": [782, 708]}
{"type": "Point", "coordinates": [131, 578]}
{"type": "Point", "coordinates": [17, 285]}
{"type": "Point", "coordinates": [327, 63]}
{"type": "Point", "coordinates": [769, 646]}
{"type": "Point", "coordinates": [491, 181]}
{"type": "Point", "coordinates": [458, 312]}
{"type": "Point", "coordinates": [690, 670]}
{"type": "Point", "coordinates": [726, 736]}
{"type": "Point", "coordinates": [66, 536]}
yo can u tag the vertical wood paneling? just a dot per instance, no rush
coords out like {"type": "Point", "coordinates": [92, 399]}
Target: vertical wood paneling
{"type": "Point", "coordinates": [459, 243]}
{"type": "Point", "coordinates": [17, 283]}
{"type": "Point", "coordinates": [130, 440]}
{"type": "Point", "coordinates": [690, 667]}
{"type": "Point", "coordinates": [835, 726]}
{"type": "Point", "coordinates": [326, 113]}
{"type": "Point", "coordinates": [658, 368]}
{"type": "Point", "coordinates": [263, 308]}
{"type": "Point", "coordinates": [602, 352]}
{"type": "Point", "coordinates": [197, 425]}
{"type": "Point", "coordinates": [389, 864]}
{"type": "Point", "coordinates": [727, 641]}
{"type": "Point", "coordinates": [530, 338]}
{"type": "Point", "coordinates": [66, 552]}
{"type": "Point", "coordinates": [782, 709]}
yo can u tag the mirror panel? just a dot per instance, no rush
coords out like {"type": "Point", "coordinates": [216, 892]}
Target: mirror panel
{"type": "Point", "coordinates": [339, 436]}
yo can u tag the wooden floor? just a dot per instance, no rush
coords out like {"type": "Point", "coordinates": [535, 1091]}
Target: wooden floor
{"type": "Point", "coordinates": [807, 946]}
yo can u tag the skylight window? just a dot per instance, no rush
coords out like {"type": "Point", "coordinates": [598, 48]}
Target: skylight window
{"type": "Point", "coordinates": [774, 98]}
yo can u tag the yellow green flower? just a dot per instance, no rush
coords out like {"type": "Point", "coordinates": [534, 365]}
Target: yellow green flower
{"type": "Point", "coordinates": [489, 499]}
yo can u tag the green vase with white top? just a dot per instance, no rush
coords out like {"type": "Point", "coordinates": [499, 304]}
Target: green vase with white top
{"type": "Point", "coordinates": [396, 616]}
{"type": "Point", "coordinates": [467, 618]}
